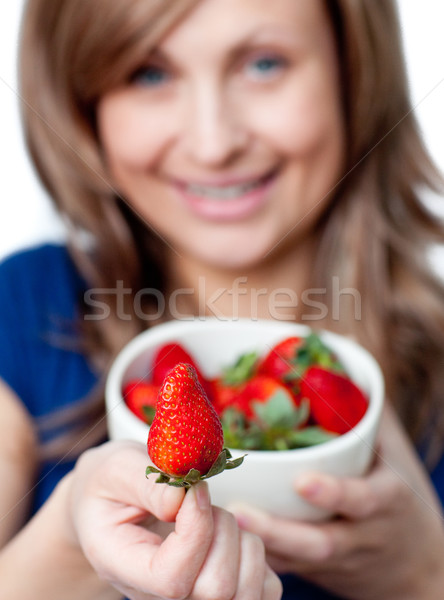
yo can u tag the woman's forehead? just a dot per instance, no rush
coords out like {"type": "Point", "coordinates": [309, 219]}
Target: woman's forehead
{"type": "Point", "coordinates": [213, 20]}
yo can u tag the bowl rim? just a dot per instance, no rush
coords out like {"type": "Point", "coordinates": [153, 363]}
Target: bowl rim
{"type": "Point", "coordinates": [171, 329]}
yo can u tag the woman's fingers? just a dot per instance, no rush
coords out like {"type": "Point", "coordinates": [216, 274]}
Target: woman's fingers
{"type": "Point", "coordinates": [205, 556]}
{"type": "Point", "coordinates": [272, 589]}
{"type": "Point", "coordinates": [223, 558]}
{"type": "Point", "coordinates": [110, 499]}
{"type": "Point", "coordinates": [356, 500]}
{"type": "Point", "coordinates": [118, 470]}
{"type": "Point", "coordinates": [359, 498]}
{"type": "Point", "coordinates": [256, 580]}
{"type": "Point", "coordinates": [345, 496]}
{"type": "Point", "coordinates": [296, 541]}
{"type": "Point", "coordinates": [140, 560]}
{"type": "Point", "coordinates": [235, 567]}
{"type": "Point", "coordinates": [179, 559]}
{"type": "Point", "coordinates": [283, 537]}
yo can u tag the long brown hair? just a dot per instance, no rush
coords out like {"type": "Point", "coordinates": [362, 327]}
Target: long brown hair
{"type": "Point", "coordinates": [378, 232]}
{"type": "Point", "coordinates": [375, 234]}
{"type": "Point", "coordinates": [73, 52]}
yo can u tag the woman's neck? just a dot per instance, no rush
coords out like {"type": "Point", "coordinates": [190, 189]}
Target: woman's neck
{"type": "Point", "coordinates": [272, 290]}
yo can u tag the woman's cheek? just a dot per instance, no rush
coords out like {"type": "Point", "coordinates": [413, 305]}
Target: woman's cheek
{"type": "Point", "coordinates": [296, 125]}
{"type": "Point", "coordinates": [305, 111]}
{"type": "Point", "coordinates": [131, 137]}
{"type": "Point", "coordinates": [292, 133]}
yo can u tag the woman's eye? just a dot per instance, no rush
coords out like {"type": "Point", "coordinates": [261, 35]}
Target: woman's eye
{"type": "Point", "coordinates": [266, 67]}
{"type": "Point", "coordinates": [151, 76]}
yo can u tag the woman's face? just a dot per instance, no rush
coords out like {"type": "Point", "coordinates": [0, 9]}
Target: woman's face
{"type": "Point", "coordinates": [230, 138]}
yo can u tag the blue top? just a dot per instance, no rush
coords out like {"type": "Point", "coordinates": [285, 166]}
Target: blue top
{"type": "Point", "coordinates": [41, 362]}
{"type": "Point", "coordinates": [38, 355]}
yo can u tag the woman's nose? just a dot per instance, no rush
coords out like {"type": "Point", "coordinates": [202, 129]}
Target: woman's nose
{"type": "Point", "coordinates": [215, 132]}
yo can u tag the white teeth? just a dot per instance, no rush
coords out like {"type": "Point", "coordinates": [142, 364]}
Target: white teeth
{"type": "Point", "coordinates": [221, 193]}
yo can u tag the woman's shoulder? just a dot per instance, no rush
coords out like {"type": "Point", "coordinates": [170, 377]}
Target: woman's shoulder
{"type": "Point", "coordinates": [42, 275]}
{"type": "Point", "coordinates": [39, 262]}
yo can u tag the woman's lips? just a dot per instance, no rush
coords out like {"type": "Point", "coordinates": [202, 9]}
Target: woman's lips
{"type": "Point", "coordinates": [229, 200]}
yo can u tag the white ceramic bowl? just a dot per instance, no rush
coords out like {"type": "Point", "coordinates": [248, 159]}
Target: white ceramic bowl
{"type": "Point", "coordinates": [265, 478]}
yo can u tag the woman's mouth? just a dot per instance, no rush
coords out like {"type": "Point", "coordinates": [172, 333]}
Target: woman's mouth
{"type": "Point", "coordinates": [227, 200]}
{"type": "Point", "coordinates": [226, 192]}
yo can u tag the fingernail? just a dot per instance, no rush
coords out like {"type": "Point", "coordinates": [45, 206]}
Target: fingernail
{"type": "Point", "coordinates": [202, 495]}
{"type": "Point", "coordinates": [246, 516]}
{"type": "Point", "coordinates": [309, 487]}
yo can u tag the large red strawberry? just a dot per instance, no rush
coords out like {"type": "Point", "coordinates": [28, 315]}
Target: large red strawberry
{"type": "Point", "coordinates": [185, 440]}
{"type": "Point", "coordinates": [141, 397]}
{"type": "Point", "coordinates": [336, 403]}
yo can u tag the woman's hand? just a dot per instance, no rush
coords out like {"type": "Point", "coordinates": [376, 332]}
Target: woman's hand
{"type": "Point", "coordinates": [119, 520]}
{"type": "Point", "coordinates": [387, 541]}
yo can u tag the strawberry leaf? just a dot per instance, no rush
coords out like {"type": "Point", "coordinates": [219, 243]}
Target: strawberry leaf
{"type": "Point", "coordinates": [148, 413]}
{"type": "Point", "coordinates": [240, 433]}
{"type": "Point", "coordinates": [311, 436]}
{"type": "Point", "coordinates": [151, 469]}
{"type": "Point", "coordinates": [236, 462]}
{"type": "Point", "coordinates": [314, 351]}
{"type": "Point", "coordinates": [218, 465]}
{"type": "Point", "coordinates": [193, 476]}
{"type": "Point", "coordinates": [278, 409]}
{"type": "Point", "coordinates": [241, 370]}
{"type": "Point", "coordinates": [163, 478]}
{"type": "Point", "coordinates": [177, 482]}
{"type": "Point", "coordinates": [223, 462]}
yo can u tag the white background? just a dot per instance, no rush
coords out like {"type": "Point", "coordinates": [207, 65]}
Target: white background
{"type": "Point", "coordinates": [26, 216]}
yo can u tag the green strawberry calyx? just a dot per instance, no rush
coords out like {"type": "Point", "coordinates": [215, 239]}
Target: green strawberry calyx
{"type": "Point", "coordinates": [223, 462]}
{"type": "Point", "coordinates": [313, 351]}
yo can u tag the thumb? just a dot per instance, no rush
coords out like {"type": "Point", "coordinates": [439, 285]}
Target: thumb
{"type": "Point", "coordinates": [351, 497]}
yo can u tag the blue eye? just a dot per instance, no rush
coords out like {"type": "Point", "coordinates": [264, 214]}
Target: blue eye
{"type": "Point", "coordinates": [266, 66]}
{"type": "Point", "coordinates": [151, 76]}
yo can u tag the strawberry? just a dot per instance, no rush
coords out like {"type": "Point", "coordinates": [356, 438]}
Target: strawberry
{"type": "Point", "coordinates": [259, 389]}
{"type": "Point", "coordinates": [225, 390]}
{"type": "Point", "coordinates": [167, 357]}
{"type": "Point", "coordinates": [281, 358]}
{"type": "Point", "coordinates": [243, 396]}
{"type": "Point", "coordinates": [288, 359]}
{"type": "Point", "coordinates": [336, 403]}
{"type": "Point", "coordinates": [267, 417]}
{"type": "Point", "coordinates": [170, 355]}
{"type": "Point", "coordinates": [223, 395]}
{"type": "Point", "coordinates": [185, 440]}
{"type": "Point", "coordinates": [141, 397]}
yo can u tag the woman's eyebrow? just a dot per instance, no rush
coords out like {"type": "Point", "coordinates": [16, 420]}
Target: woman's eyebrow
{"type": "Point", "coordinates": [265, 34]}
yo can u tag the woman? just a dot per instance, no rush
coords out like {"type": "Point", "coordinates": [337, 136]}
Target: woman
{"type": "Point", "coordinates": [208, 141]}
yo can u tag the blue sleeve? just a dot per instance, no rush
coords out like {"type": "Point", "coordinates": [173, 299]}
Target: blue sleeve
{"type": "Point", "coordinates": [438, 479]}
{"type": "Point", "coordinates": [13, 325]}
{"type": "Point", "coordinates": [40, 356]}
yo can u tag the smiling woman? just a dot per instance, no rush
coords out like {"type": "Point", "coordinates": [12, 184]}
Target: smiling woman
{"type": "Point", "coordinates": [218, 154]}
